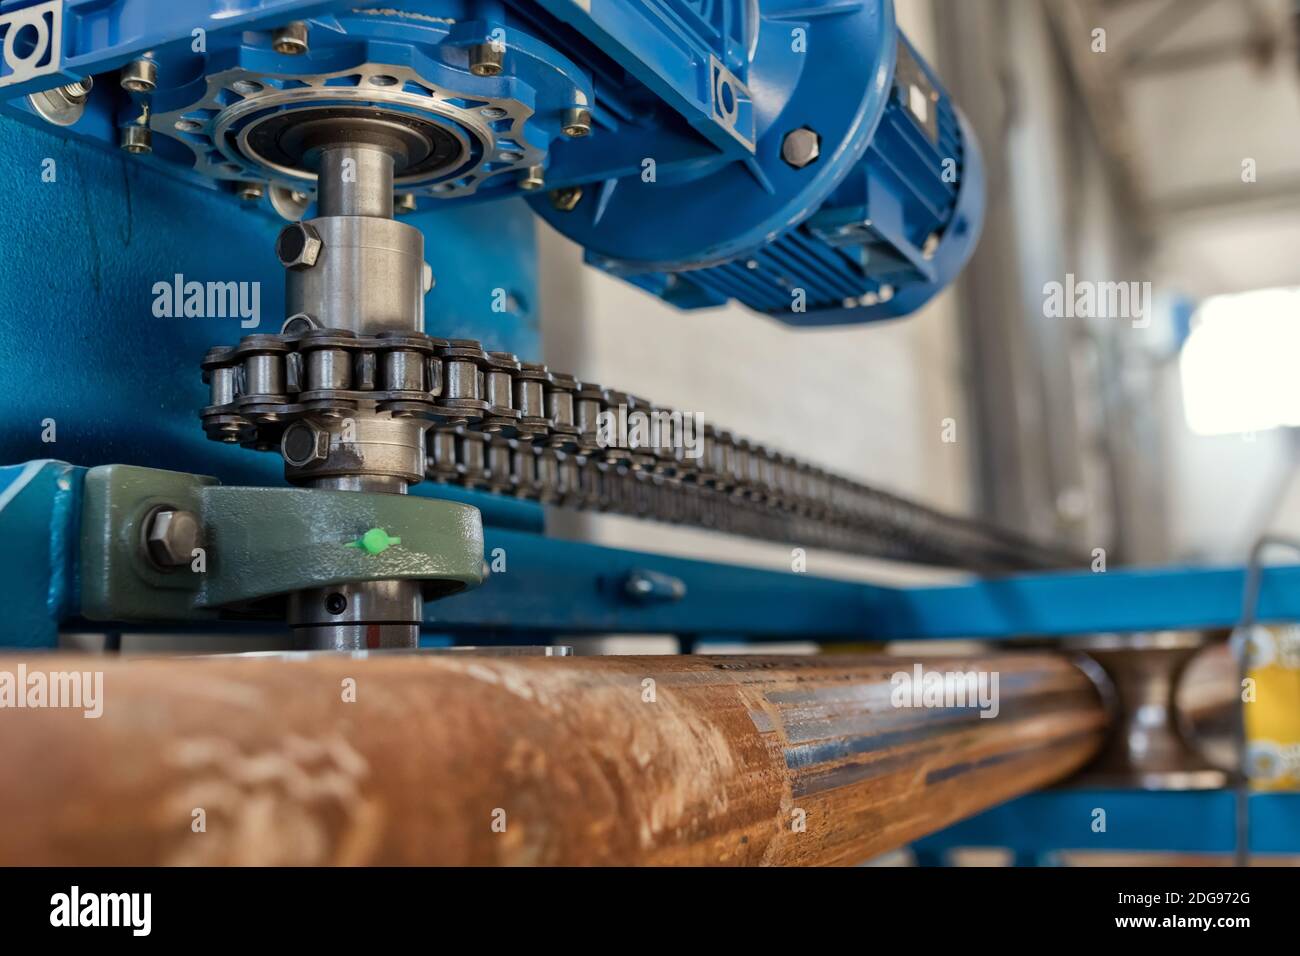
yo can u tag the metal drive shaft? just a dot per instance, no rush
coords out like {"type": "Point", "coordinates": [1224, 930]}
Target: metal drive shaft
{"type": "Point", "coordinates": [494, 760]}
{"type": "Point", "coordinates": [363, 274]}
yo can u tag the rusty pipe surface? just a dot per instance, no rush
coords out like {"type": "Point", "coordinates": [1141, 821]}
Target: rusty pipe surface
{"type": "Point", "coordinates": [456, 759]}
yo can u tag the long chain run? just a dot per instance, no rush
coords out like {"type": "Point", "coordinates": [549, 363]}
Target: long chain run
{"type": "Point", "coordinates": [517, 428]}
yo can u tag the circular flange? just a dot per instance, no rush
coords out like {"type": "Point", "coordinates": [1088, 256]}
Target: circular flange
{"type": "Point", "coordinates": [244, 127]}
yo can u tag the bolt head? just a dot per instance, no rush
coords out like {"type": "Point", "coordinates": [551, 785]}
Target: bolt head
{"type": "Point", "coordinates": [303, 444]}
{"type": "Point", "coordinates": [486, 59]}
{"type": "Point", "coordinates": [290, 39]}
{"type": "Point", "coordinates": [139, 76]}
{"type": "Point", "coordinates": [577, 122]}
{"type": "Point", "coordinates": [801, 147]}
{"type": "Point", "coordinates": [566, 200]}
{"type": "Point", "coordinates": [298, 246]}
{"type": "Point", "coordinates": [172, 537]}
{"type": "Point", "coordinates": [136, 139]}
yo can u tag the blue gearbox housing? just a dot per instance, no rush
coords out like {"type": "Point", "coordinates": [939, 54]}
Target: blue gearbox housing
{"type": "Point", "coordinates": [796, 156]}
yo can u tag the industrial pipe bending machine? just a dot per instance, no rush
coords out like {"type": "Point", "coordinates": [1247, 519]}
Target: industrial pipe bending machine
{"type": "Point", "coordinates": [800, 159]}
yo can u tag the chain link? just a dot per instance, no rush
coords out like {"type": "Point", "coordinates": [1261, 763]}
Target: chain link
{"type": "Point", "coordinates": [518, 428]}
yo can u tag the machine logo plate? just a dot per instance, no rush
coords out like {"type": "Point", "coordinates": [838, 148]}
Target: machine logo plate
{"type": "Point", "coordinates": [32, 40]}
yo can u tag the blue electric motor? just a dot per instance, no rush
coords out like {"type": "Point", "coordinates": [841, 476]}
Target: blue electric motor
{"type": "Point", "coordinates": [860, 197]}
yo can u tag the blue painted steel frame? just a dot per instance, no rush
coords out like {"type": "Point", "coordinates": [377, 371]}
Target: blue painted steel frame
{"type": "Point", "coordinates": [40, 520]}
{"type": "Point", "coordinates": [569, 587]}
{"type": "Point", "coordinates": [553, 587]}
{"type": "Point", "coordinates": [1191, 821]}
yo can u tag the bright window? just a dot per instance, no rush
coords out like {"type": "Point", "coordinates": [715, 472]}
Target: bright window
{"type": "Point", "coordinates": [1241, 363]}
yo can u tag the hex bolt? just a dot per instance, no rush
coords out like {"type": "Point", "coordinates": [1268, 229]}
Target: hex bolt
{"type": "Point", "coordinates": [931, 246]}
{"type": "Point", "coordinates": [427, 278]}
{"type": "Point", "coordinates": [577, 121]}
{"type": "Point", "coordinates": [801, 146]}
{"type": "Point", "coordinates": [533, 178]}
{"type": "Point", "coordinates": [303, 444]}
{"type": "Point", "coordinates": [653, 587]}
{"type": "Point", "coordinates": [250, 191]}
{"type": "Point", "coordinates": [136, 139]}
{"type": "Point", "coordinates": [63, 105]}
{"type": "Point", "coordinates": [486, 59]}
{"type": "Point", "coordinates": [566, 199]}
{"type": "Point", "coordinates": [171, 537]}
{"type": "Point", "coordinates": [290, 39]}
{"type": "Point", "coordinates": [298, 246]}
{"type": "Point", "coordinates": [139, 76]}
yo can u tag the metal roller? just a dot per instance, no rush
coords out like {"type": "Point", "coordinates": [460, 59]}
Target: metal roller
{"type": "Point", "coordinates": [466, 759]}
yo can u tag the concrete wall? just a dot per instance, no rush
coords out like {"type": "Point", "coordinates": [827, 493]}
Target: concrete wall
{"type": "Point", "coordinates": [1219, 232]}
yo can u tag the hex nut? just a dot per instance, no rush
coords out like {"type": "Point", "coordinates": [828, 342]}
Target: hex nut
{"type": "Point", "coordinates": [298, 246]}
{"type": "Point", "coordinates": [801, 147]}
{"type": "Point", "coordinates": [171, 537]}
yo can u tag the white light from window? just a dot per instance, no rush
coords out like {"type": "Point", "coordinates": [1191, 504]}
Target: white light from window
{"type": "Point", "coordinates": [1241, 364]}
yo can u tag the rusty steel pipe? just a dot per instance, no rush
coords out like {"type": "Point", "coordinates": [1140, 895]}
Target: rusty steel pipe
{"type": "Point", "coordinates": [455, 759]}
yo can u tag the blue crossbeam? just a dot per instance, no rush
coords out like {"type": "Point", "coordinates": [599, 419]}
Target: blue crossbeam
{"type": "Point", "coordinates": [1193, 821]}
{"type": "Point", "coordinates": [1125, 600]}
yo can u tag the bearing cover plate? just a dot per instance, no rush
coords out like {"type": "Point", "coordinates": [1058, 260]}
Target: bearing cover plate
{"type": "Point", "coordinates": [284, 140]}
{"type": "Point", "coordinates": [241, 128]}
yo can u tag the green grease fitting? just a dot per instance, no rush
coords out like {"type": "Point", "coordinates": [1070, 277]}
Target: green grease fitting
{"type": "Point", "coordinates": [374, 541]}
